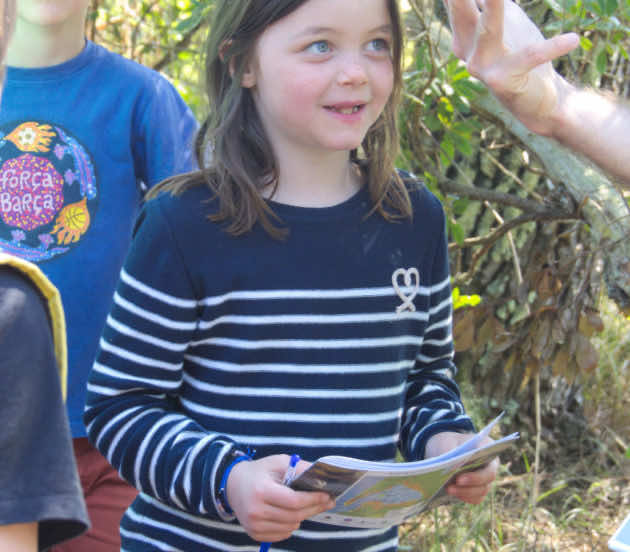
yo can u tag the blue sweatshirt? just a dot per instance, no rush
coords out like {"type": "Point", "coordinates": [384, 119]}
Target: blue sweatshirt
{"type": "Point", "coordinates": [79, 142]}
{"type": "Point", "coordinates": [336, 340]}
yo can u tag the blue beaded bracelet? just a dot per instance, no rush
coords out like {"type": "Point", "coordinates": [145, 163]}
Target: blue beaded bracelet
{"type": "Point", "coordinates": [222, 493]}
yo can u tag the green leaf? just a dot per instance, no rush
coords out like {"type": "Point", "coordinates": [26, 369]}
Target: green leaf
{"type": "Point", "coordinates": [460, 205]}
{"type": "Point", "coordinates": [462, 143]}
{"type": "Point", "coordinates": [585, 43]}
{"type": "Point", "coordinates": [601, 61]}
{"type": "Point", "coordinates": [447, 151]}
{"type": "Point", "coordinates": [457, 232]}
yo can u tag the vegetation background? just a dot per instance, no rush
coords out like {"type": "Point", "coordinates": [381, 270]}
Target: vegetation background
{"type": "Point", "coordinates": [540, 252]}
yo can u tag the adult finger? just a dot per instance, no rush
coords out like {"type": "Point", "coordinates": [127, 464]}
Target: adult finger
{"type": "Point", "coordinates": [489, 39]}
{"type": "Point", "coordinates": [534, 55]}
{"type": "Point", "coordinates": [463, 16]}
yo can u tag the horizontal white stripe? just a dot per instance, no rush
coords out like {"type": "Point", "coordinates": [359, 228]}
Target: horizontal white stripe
{"type": "Point", "coordinates": [438, 342]}
{"type": "Point", "coordinates": [100, 390]}
{"type": "Point", "coordinates": [292, 294]}
{"type": "Point", "coordinates": [440, 306]}
{"type": "Point", "coordinates": [425, 359]}
{"type": "Point", "coordinates": [159, 295]}
{"type": "Point", "coordinates": [339, 533]}
{"type": "Point", "coordinates": [293, 392]}
{"type": "Point", "coordinates": [125, 376]}
{"type": "Point", "coordinates": [315, 442]}
{"type": "Point", "coordinates": [139, 359]}
{"type": "Point", "coordinates": [210, 524]}
{"type": "Point", "coordinates": [152, 317]}
{"type": "Point", "coordinates": [364, 318]}
{"type": "Point", "coordinates": [194, 537]}
{"type": "Point", "coordinates": [130, 332]}
{"type": "Point", "coordinates": [324, 534]}
{"type": "Point", "coordinates": [439, 325]}
{"type": "Point", "coordinates": [159, 545]}
{"type": "Point", "coordinates": [379, 367]}
{"type": "Point", "coordinates": [293, 417]}
{"type": "Point", "coordinates": [312, 343]}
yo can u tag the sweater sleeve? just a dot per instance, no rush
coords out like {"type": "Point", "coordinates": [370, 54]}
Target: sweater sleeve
{"type": "Point", "coordinates": [432, 399]}
{"type": "Point", "coordinates": [131, 412]}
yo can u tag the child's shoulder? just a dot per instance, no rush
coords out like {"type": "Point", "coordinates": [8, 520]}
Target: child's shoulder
{"type": "Point", "coordinates": [187, 204]}
{"type": "Point", "coordinates": [117, 65]}
{"type": "Point", "coordinates": [424, 202]}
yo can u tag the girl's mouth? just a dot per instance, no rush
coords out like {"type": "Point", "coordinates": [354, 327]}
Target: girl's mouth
{"type": "Point", "coordinates": [345, 110]}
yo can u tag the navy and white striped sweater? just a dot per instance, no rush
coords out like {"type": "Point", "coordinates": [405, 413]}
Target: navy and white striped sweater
{"type": "Point", "coordinates": [313, 345]}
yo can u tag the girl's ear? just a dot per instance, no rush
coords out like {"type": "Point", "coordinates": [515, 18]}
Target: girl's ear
{"type": "Point", "coordinates": [248, 79]}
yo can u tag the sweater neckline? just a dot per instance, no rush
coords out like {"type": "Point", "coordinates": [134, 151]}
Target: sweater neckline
{"type": "Point", "coordinates": [53, 72]}
{"type": "Point", "coordinates": [355, 203]}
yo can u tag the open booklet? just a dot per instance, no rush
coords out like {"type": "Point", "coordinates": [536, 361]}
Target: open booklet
{"type": "Point", "coordinates": [381, 494]}
{"type": "Point", "coordinates": [620, 541]}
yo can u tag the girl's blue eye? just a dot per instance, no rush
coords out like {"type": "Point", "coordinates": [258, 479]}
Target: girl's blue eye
{"type": "Point", "coordinates": [319, 47]}
{"type": "Point", "coordinates": [379, 45]}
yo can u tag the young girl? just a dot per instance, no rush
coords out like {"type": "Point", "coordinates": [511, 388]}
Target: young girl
{"type": "Point", "coordinates": [292, 297]}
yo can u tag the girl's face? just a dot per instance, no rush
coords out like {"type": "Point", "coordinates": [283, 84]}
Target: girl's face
{"type": "Point", "coordinates": [321, 76]}
{"type": "Point", "coordinates": [52, 12]}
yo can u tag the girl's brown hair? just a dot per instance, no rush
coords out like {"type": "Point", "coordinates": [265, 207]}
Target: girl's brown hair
{"type": "Point", "coordinates": [233, 152]}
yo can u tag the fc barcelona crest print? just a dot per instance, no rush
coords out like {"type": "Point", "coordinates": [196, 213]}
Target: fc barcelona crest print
{"type": "Point", "coordinates": [48, 190]}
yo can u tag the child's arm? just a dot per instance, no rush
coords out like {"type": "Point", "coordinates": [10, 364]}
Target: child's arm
{"type": "Point", "coordinates": [432, 400]}
{"type": "Point", "coordinates": [131, 413]}
{"type": "Point", "coordinates": [434, 421]}
{"type": "Point", "coordinates": [19, 537]}
{"type": "Point", "coordinates": [268, 510]}
{"type": "Point", "coordinates": [471, 486]}
{"type": "Point", "coordinates": [164, 130]}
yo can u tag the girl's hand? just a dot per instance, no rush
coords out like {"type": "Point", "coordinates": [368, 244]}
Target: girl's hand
{"type": "Point", "coordinates": [473, 486]}
{"type": "Point", "coordinates": [268, 510]}
{"type": "Point", "coordinates": [503, 48]}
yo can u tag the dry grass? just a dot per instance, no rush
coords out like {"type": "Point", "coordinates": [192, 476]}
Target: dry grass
{"type": "Point", "coordinates": [584, 475]}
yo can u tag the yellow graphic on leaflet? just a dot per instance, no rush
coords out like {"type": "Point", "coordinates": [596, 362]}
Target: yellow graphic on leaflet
{"type": "Point", "coordinates": [31, 137]}
{"type": "Point", "coordinates": [72, 222]}
{"type": "Point", "coordinates": [391, 494]}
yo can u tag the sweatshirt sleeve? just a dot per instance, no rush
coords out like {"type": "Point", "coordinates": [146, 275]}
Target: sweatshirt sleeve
{"type": "Point", "coordinates": [432, 400]}
{"type": "Point", "coordinates": [164, 132]}
{"type": "Point", "coordinates": [131, 412]}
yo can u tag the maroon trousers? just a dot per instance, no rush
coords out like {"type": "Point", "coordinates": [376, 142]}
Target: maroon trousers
{"type": "Point", "coordinates": [107, 496]}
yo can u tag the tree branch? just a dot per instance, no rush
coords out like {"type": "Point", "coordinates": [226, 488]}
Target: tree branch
{"type": "Point", "coordinates": [178, 47]}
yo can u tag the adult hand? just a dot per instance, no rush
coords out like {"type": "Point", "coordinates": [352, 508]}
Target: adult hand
{"type": "Point", "coordinates": [503, 48]}
{"type": "Point", "coordinates": [473, 486]}
{"type": "Point", "coordinates": [268, 510]}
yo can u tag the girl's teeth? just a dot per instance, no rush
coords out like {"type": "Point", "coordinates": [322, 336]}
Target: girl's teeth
{"type": "Point", "coordinates": [348, 110]}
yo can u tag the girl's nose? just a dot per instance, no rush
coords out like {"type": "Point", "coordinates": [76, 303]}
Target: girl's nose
{"type": "Point", "coordinates": [352, 73]}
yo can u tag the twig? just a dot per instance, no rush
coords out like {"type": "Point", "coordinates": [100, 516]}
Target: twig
{"type": "Point", "coordinates": [178, 47]}
{"type": "Point", "coordinates": [481, 194]}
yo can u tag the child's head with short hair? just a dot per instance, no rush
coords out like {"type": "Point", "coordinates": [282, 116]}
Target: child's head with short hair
{"type": "Point", "coordinates": [243, 161]}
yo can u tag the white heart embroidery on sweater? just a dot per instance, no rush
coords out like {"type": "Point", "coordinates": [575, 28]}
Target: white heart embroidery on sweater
{"type": "Point", "coordinates": [410, 278]}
